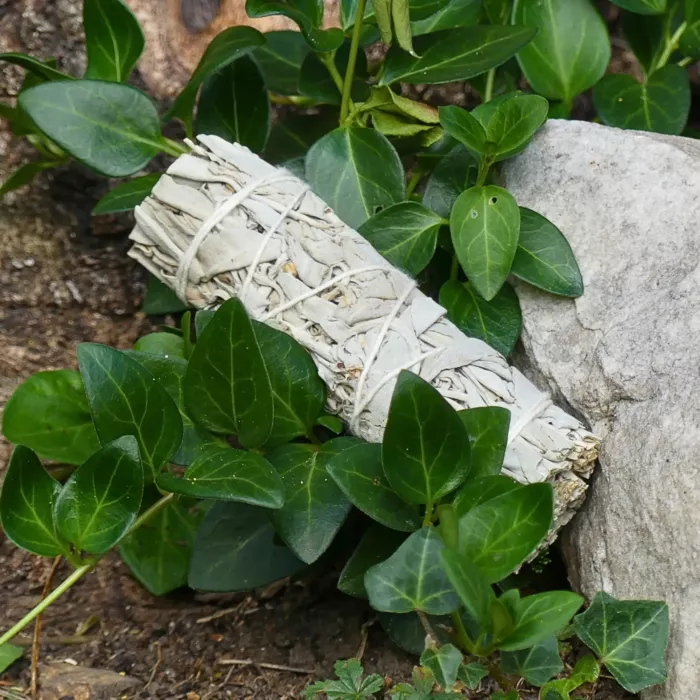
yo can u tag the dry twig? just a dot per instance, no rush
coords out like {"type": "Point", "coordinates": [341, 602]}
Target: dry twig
{"type": "Point", "coordinates": [267, 666]}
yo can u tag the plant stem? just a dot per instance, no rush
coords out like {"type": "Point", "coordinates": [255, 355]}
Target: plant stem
{"type": "Point", "coordinates": [79, 573]}
{"type": "Point", "coordinates": [416, 177]}
{"type": "Point", "coordinates": [426, 625]}
{"type": "Point", "coordinates": [173, 148]}
{"type": "Point", "coordinates": [428, 517]}
{"type": "Point", "coordinates": [461, 633]}
{"type": "Point", "coordinates": [490, 80]}
{"type": "Point", "coordinates": [352, 60]}
{"type": "Point", "coordinates": [484, 166]}
{"type": "Point", "coordinates": [454, 269]}
{"type": "Point", "coordinates": [311, 435]}
{"type": "Point", "coordinates": [328, 60]}
{"type": "Point", "coordinates": [671, 46]}
{"type": "Point", "coordinates": [685, 61]}
{"type": "Point", "coordinates": [500, 677]}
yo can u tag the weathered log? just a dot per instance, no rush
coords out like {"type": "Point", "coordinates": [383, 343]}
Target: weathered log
{"type": "Point", "coordinates": [222, 223]}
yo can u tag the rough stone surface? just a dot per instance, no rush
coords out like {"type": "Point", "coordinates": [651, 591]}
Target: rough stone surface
{"type": "Point", "coordinates": [63, 680]}
{"type": "Point", "coordinates": [626, 357]}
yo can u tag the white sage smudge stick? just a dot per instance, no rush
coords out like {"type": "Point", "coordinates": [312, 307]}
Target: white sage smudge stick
{"type": "Point", "coordinates": [222, 222]}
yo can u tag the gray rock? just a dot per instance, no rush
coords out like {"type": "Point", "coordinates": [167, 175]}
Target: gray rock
{"type": "Point", "coordinates": [626, 357]}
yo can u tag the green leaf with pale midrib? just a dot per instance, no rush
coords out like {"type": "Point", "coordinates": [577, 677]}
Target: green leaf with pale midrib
{"type": "Point", "coordinates": [33, 65]}
{"type": "Point", "coordinates": [127, 195]}
{"type": "Point", "coordinates": [280, 60]}
{"type": "Point", "coordinates": [487, 428]}
{"type": "Point", "coordinates": [537, 664]}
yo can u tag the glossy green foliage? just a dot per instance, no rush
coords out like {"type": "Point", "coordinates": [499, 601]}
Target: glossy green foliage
{"type": "Point", "coordinates": [126, 196]}
{"type": "Point", "coordinates": [536, 665]}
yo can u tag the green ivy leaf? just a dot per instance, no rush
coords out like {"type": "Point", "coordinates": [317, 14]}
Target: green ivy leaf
{"type": "Point", "coordinates": [514, 123]}
{"type": "Point", "coordinates": [25, 174]}
{"type": "Point", "coordinates": [426, 448]}
{"type": "Point", "coordinates": [461, 125]}
{"type": "Point", "coordinates": [537, 664]}
{"type": "Point", "coordinates": [158, 552]}
{"type": "Point", "coordinates": [660, 104]}
{"type": "Point", "coordinates": [501, 533]}
{"type": "Point", "coordinates": [485, 223]}
{"type": "Point", "coordinates": [629, 637]}
{"type": "Point", "coordinates": [26, 504]}
{"type": "Point", "coordinates": [539, 616]}
{"type": "Point", "coordinates": [472, 674]}
{"type": "Point", "coordinates": [223, 49]}
{"type": "Point", "coordinates": [376, 545]}
{"type": "Point", "coordinates": [457, 54]}
{"type": "Point", "coordinates": [412, 578]}
{"type": "Point", "coordinates": [112, 128]}
{"type": "Point", "coordinates": [315, 507]}
{"type": "Point", "coordinates": [454, 14]}
{"type": "Point", "coordinates": [234, 105]}
{"type": "Point", "coordinates": [102, 498]}
{"type": "Point", "coordinates": [487, 428]}
{"type": "Point", "coordinates": [571, 50]}
{"type": "Point", "coordinates": [455, 173]}
{"type": "Point", "coordinates": [585, 671]}
{"type": "Point", "coordinates": [444, 663]}
{"type": "Point", "coordinates": [308, 14]}
{"type": "Point", "coordinates": [357, 172]}
{"type": "Point", "coordinates": [473, 588]}
{"type": "Point", "coordinates": [49, 413]}
{"type": "Point", "coordinates": [478, 491]}
{"type": "Point", "coordinates": [359, 474]}
{"type": "Point", "coordinates": [405, 234]}
{"type": "Point", "coordinates": [297, 390]}
{"type": "Point", "coordinates": [127, 195]}
{"type": "Point", "coordinates": [496, 322]}
{"type": "Point", "coordinates": [280, 60]}
{"type": "Point", "coordinates": [226, 474]}
{"type": "Point", "coordinates": [9, 653]}
{"type": "Point", "coordinates": [114, 40]}
{"type": "Point", "coordinates": [125, 399]}
{"type": "Point", "coordinates": [236, 550]}
{"type": "Point", "coordinates": [645, 35]}
{"type": "Point", "coordinates": [160, 299]}
{"type": "Point", "coordinates": [227, 387]}
{"type": "Point", "coordinates": [544, 257]}
{"type": "Point", "coordinates": [292, 136]}
{"type": "Point", "coordinates": [351, 685]}
{"type": "Point", "coordinates": [643, 7]}
{"type": "Point", "coordinates": [42, 69]}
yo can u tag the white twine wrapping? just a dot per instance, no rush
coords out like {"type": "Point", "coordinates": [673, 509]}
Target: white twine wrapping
{"type": "Point", "coordinates": [222, 222]}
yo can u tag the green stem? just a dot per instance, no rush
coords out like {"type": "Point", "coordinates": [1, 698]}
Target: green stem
{"type": "Point", "coordinates": [328, 60]}
{"type": "Point", "coordinates": [426, 624]}
{"type": "Point", "coordinates": [428, 517]}
{"type": "Point", "coordinates": [685, 61]}
{"type": "Point", "coordinates": [461, 633]}
{"type": "Point", "coordinates": [311, 435]}
{"type": "Point", "coordinates": [500, 678]}
{"type": "Point", "coordinates": [454, 269]}
{"type": "Point", "coordinates": [79, 573]}
{"type": "Point", "coordinates": [490, 80]}
{"type": "Point", "coordinates": [671, 46]}
{"type": "Point", "coordinates": [416, 177]}
{"type": "Point", "coordinates": [352, 60]}
{"type": "Point", "coordinates": [484, 167]}
{"type": "Point", "coordinates": [173, 148]}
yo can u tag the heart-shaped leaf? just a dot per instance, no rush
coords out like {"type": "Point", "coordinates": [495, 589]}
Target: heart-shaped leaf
{"type": "Point", "coordinates": [226, 474]}
{"type": "Point", "coordinates": [236, 549]}
{"type": "Point", "coordinates": [537, 664]}
{"type": "Point", "coordinates": [280, 60]}
{"type": "Point", "coordinates": [456, 54]}
{"type": "Point", "coordinates": [234, 105]}
{"type": "Point", "coordinates": [405, 234]}
{"type": "Point", "coordinates": [412, 578]}
{"type": "Point", "coordinates": [487, 427]}
{"type": "Point", "coordinates": [357, 172]}
{"type": "Point", "coordinates": [498, 535]}
{"type": "Point", "coordinates": [359, 473]}
{"type": "Point", "coordinates": [643, 7]}
{"type": "Point", "coordinates": [544, 257]}
{"type": "Point", "coordinates": [478, 491]}
{"type": "Point", "coordinates": [472, 674]}
{"type": "Point", "coordinates": [496, 322]}
{"type": "Point", "coordinates": [376, 545]}
{"type": "Point", "coordinates": [125, 399]}
{"type": "Point", "coordinates": [102, 498]}
{"type": "Point", "coordinates": [297, 390]}
{"type": "Point", "coordinates": [629, 637]}
{"type": "Point", "coordinates": [49, 413]}
{"type": "Point", "coordinates": [471, 585]}
{"type": "Point", "coordinates": [42, 69]}
{"type": "Point", "coordinates": [223, 49]}
{"type": "Point", "coordinates": [426, 448]}
{"type": "Point", "coordinates": [227, 387]}
{"type": "Point", "coordinates": [159, 551]}
{"type": "Point", "coordinates": [456, 13]}
{"type": "Point", "coordinates": [315, 507]}
{"type": "Point", "coordinates": [485, 224]}
{"type": "Point", "coordinates": [26, 504]}
{"type": "Point", "coordinates": [461, 125]}
{"type": "Point", "coordinates": [660, 104]}
{"type": "Point", "coordinates": [127, 195]}
{"type": "Point", "coordinates": [308, 14]}
{"type": "Point", "coordinates": [444, 662]}
{"type": "Point", "coordinates": [571, 50]}
{"type": "Point", "coordinates": [456, 172]}
{"type": "Point", "coordinates": [114, 40]}
{"type": "Point", "coordinates": [539, 616]}
{"type": "Point", "coordinates": [112, 128]}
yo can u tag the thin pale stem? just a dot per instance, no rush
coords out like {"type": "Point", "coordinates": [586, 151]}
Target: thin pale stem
{"type": "Point", "coordinates": [428, 517]}
{"type": "Point", "coordinates": [416, 177]}
{"type": "Point", "coordinates": [173, 148]}
{"type": "Point", "coordinates": [426, 624]}
{"type": "Point", "coordinates": [671, 45]}
{"type": "Point", "coordinates": [490, 80]}
{"type": "Point", "coordinates": [328, 60]}
{"type": "Point", "coordinates": [352, 60]}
